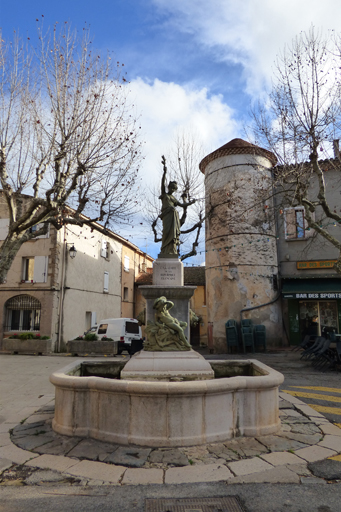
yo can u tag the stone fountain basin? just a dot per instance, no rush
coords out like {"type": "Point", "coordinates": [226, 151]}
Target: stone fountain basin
{"type": "Point", "coordinates": [164, 414]}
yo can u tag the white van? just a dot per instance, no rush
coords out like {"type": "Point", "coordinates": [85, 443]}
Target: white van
{"type": "Point", "coordinates": [122, 330]}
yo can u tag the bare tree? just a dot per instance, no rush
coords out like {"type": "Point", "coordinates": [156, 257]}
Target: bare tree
{"type": "Point", "coordinates": [68, 137]}
{"type": "Point", "coordinates": [299, 122]}
{"type": "Point", "coordinates": [183, 166]}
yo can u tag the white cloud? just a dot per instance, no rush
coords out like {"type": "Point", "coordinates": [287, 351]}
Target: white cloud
{"type": "Point", "coordinates": [249, 32]}
{"type": "Point", "coordinates": [167, 107]}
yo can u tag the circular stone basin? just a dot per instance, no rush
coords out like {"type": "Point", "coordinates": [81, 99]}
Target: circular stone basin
{"type": "Point", "coordinates": [243, 401]}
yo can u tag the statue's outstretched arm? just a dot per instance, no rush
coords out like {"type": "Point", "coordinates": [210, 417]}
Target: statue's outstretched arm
{"type": "Point", "coordinates": [163, 180]}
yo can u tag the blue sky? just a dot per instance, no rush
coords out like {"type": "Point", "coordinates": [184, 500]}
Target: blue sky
{"type": "Point", "coordinates": [192, 64]}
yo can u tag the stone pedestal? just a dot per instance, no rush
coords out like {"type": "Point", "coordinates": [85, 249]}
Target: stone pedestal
{"type": "Point", "coordinates": [167, 366]}
{"type": "Point", "coordinates": [168, 272]}
{"type": "Point", "coordinates": [180, 295]}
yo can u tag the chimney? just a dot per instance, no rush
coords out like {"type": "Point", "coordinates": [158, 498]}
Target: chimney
{"type": "Point", "coordinates": [336, 148]}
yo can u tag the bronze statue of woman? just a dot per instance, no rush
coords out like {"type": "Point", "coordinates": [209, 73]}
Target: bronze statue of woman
{"type": "Point", "coordinates": [170, 216]}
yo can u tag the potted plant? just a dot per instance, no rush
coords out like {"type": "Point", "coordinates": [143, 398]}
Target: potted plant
{"type": "Point", "coordinates": [27, 343]}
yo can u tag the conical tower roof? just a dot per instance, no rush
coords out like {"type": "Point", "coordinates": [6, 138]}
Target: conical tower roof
{"type": "Point", "coordinates": [237, 147]}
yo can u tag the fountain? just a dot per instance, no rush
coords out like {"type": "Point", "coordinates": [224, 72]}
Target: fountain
{"type": "Point", "coordinates": [167, 395]}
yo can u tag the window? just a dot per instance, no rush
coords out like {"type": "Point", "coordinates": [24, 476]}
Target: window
{"type": "Point", "coordinates": [23, 313]}
{"type": "Point", "coordinates": [106, 282]}
{"type": "Point", "coordinates": [102, 329]}
{"type": "Point", "coordinates": [295, 224]}
{"type": "Point", "coordinates": [35, 269]}
{"type": "Point", "coordinates": [35, 228]}
{"type": "Point", "coordinates": [105, 249]}
{"type": "Point", "coordinates": [28, 269]}
{"type": "Point", "coordinates": [125, 293]}
{"type": "Point", "coordinates": [132, 328]}
{"type": "Point", "coordinates": [126, 263]}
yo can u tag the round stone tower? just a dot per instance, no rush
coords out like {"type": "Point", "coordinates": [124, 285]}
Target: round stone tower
{"type": "Point", "coordinates": [241, 248]}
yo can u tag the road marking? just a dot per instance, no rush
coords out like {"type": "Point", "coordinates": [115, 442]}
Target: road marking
{"type": "Point", "coordinates": [315, 396]}
{"type": "Point", "coordinates": [328, 410]}
{"type": "Point", "coordinates": [338, 424]}
{"type": "Point", "coordinates": [336, 457]}
{"type": "Point", "coordinates": [329, 390]}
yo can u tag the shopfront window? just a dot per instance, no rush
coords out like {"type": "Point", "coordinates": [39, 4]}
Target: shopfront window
{"type": "Point", "coordinates": [318, 317]}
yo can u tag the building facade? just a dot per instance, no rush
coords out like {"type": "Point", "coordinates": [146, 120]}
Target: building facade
{"type": "Point", "coordinates": [60, 293]}
{"type": "Point", "coordinates": [262, 262]}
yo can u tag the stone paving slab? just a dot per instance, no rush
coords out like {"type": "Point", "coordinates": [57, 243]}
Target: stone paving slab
{"type": "Point", "coordinates": [281, 458]}
{"type": "Point", "coordinates": [40, 417]}
{"type": "Point", "coordinates": [132, 456]}
{"type": "Point", "coordinates": [306, 439]}
{"type": "Point", "coordinates": [169, 456]}
{"type": "Point", "coordinates": [279, 475]}
{"type": "Point", "coordinates": [55, 462]}
{"type": "Point", "coordinates": [98, 471]}
{"type": "Point", "coordinates": [143, 476]}
{"type": "Point", "coordinates": [312, 480]}
{"type": "Point", "coordinates": [198, 473]}
{"type": "Point", "coordinates": [5, 464]}
{"type": "Point", "coordinates": [300, 469]}
{"type": "Point", "coordinates": [92, 449]}
{"type": "Point", "coordinates": [61, 445]}
{"type": "Point", "coordinates": [32, 442]}
{"type": "Point", "coordinates": [16, 454]}
{"type": "Point", "coordinates": [5, 439]}
{"type": "Point", "coordinates": [279, 444]}
{"type": "Point", "coordinates": [248, 466]}
{"type": "Point", "coordinates": [7, 426]}
{"type": "Point", "coordinates": [331, 429]}
{"type": "Point", "coordinates": [332, 442]}
{"type": "Point", "coordinates": [314, 453]}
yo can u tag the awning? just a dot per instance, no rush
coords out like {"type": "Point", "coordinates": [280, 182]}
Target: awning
{"type": "Point", "coordinates": [311, 288]}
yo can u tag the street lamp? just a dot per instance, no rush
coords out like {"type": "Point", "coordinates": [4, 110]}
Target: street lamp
{"type": "Point", "coordinates": [72, 251]}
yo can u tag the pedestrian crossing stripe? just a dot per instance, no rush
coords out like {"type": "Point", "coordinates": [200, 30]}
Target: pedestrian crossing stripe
{"type": "Point", "coordinates": [315, 396]}
{"type": "Point", "coordinates": [317, 388]}
{"type": "Point", "coordinates": [327, 410]}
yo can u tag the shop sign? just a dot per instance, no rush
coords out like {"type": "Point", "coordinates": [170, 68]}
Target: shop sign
{"type": "Point", "coordinates": [319, 295]}
{"type": "Point", "coordinates": [304, 265]}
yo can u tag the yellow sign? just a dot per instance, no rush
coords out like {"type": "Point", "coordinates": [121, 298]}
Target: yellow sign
{"type": "Point", "coordinates": [303, 265]}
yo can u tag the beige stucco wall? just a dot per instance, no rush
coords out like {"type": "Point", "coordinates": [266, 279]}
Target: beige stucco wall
{"type": "Point", "coordinates": [241, 256]}
{"type": "Point", "coordinates": [198, 305]}
{"type": "Point", "coordinates": [84, 279]}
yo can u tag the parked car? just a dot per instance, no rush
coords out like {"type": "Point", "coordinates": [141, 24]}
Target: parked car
{"type": "Point", "coordinates": [122, 330]}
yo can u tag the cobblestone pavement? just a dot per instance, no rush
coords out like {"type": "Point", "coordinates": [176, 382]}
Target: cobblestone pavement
{"type": "Point", "coordinates": [305, 451]}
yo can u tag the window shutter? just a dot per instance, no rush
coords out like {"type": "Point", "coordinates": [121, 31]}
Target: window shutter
{"type": "Point", "coordinates": [309, 232]}
{"type": "Point", "coordinates": [106, 282]}
{"type": "Point", "coordinates": [126, 263]}
{"type": "Point", "coordinates": [290, 223]}
{"type": "Point", "coordinates": [104, 249]}
{"type": "Point", "coordinates": [40, 269]}
{"type": "Point", "coordinates": [4, 223]}
{"type": "Point", "coordinates": [93, 318]}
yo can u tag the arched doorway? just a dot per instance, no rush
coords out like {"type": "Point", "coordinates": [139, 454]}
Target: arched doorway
{"type": "Point", "coordinates": [22, 313]}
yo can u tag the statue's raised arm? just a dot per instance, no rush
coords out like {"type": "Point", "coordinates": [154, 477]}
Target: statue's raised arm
{"type": "Point", "coordinates": [163, 180]}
